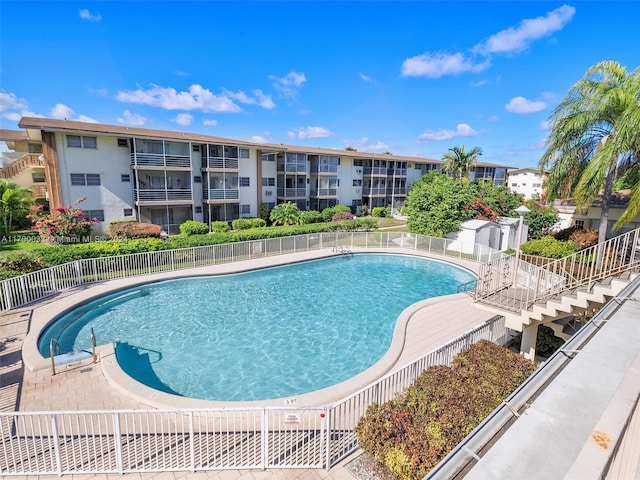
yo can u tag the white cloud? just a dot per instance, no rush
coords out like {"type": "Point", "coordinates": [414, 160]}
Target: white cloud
{"type": "Point", "coordinates": [312, 132]}
{"type": "Point", "coordinates": [291, 134]}
{"type": "Point", "coordinates": [180, 73]}
{"type": "Point", "coordinates": [436, 65]}
{"type": "Point", "coordinates": [132, 118]}
{"type": "Point", "coordinates": [289, 84]}
{"type": "Point", "coordinates": [519, 38]}
{"type": "Point", "coordinates": [13, 108]}
{"type": "Point", "coordinates": [260, 98]}
{"type": "Point", "coordinates": [462, 130]}
{"type": "Point", "coordinates": [184, 119]}
{"type": "Point", "coordinates": [62, 111]}
{"type": "Point", "coordinates": [522, 105]}
{"type": "Point", "coordinates": [197, 98]}
{"type": "Point", "coordinates": [368, 79]}
{"type": "Point", "coordinates": [493, 118]}
{"type": "Point", "coordinates": [87, 15]}
{"type": "Point", "coordinates": [210, 123]}
{"type": "Point", "coordinates": [259, 139]}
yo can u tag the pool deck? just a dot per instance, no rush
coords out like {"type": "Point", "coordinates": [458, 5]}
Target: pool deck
{"type": "Point", "coordinates": [27, 384]}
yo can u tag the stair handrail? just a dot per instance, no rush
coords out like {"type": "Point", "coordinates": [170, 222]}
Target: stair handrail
{"type": "Point", "coordinates": [53, 346]}
{"type": "Point", "coordinates": [537, 283]}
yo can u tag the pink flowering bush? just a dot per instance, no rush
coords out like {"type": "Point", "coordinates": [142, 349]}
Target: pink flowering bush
{"type": "Point", "coordinates": [61, 225]}
{"type": "Point", "coordinates": [340, 216]}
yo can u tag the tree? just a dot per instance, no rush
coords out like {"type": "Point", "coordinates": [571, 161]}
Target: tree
{"type": "Point", "coordinates": [437, 205]}
{"type": "Point", "coordinates": [594, 139]}
{"type": "Point", "coordinates": [540, 219]}
{"type": "Point", "coordinates": [14, 201]}
{"type": "Point", "coordinates": [458, 161]}
{"type": "Point", "coordinates": [285, 214]}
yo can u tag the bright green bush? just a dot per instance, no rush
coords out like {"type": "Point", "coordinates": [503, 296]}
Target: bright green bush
{"type": "Point", "coordinates": [410, 434]}
{"type": "Point", "coordinates": [378, 212]}
{"type": "Point", "coordinates": [329, 212]}
{"type": "Point", "coordinates": [549, 247]}
{"type": "Point", "coordinates": [193, 227]}
{"type": "Point", "coordinates": [220, 227]}
{"type": "Point", "coordinates": [311, 216]}
{"type": "Point", "coordinates": [247, 223]}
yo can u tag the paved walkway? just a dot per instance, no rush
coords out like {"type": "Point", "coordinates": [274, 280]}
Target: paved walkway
{"type": "Point", "coordinates": [84, 386]}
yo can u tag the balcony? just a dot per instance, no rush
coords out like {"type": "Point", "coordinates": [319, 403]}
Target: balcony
{"type": "Point", "coordinates": [221, 195]}
{"type": "Point", "coordinates": [324, 192]}
{"type": "Point", "coordinates": [382, 171]}
{"type": "Point", "coordinates": [374, 191]}
{"type": "Point", "coordinates": [28, 160]}
{"type": "Point", "coordinates": [211, 163]}
{"type": "Point", "coordinates": [324, 169]}
{"type": "Point", "coordinates": [39, 190]}
{"type": "Point", "coordinates": [292, 168]}
{"type": "Point", "coordinates": [397, 172]}
{"type": "Point", "coordinates": [162, 196]}
{"type": "Point", "coordinates": [292, 192]}
{"type": "Point", "coordinates": [147, 160]}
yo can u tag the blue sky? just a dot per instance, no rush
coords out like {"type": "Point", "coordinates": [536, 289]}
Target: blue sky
{"type": "Point", "coordinates": [411, 78]}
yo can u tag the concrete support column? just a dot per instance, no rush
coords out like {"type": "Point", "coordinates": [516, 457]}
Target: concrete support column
{"type": "Point", "coordinates": [529, 336]}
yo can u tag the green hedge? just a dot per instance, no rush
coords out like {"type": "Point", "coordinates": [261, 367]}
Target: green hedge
{"type": "Point", "coordinates": [247, 223]}
{"type": "Point", "coordinates": [193, 227]}
{"type": "Point", "coordinates": [549, 247]}
{"type": "Point", "coordinates": [410, 434]}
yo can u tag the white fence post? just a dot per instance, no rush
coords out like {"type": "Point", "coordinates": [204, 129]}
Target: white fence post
{"type": "Point", "coordinates": [56, 444]}
{"type": "Point", "coordinates": [117, 441]}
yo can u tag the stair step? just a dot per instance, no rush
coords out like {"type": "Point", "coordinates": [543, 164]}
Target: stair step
{"type": "Point", "coordinates": [72, 357]}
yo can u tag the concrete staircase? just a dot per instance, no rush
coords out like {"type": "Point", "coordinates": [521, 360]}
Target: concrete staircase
{"type": "Point", "coordinates": [529, 296]}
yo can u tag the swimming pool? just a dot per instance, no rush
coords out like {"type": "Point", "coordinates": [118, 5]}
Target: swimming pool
{"type": "Point", "coordinates": [257, 335]}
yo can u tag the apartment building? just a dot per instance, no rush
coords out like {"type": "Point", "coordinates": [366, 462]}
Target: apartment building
{"type": "Point", "coordinates": [527, 181]}
{"type": "Point", "coordinates": [24, 164]}
{"type": "Point", "coordinates": [167, 177]}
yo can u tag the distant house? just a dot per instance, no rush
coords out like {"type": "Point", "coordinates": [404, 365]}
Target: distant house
{"type": "Point", "coordinates": [589, 217]}
{"type": "Point", "coordinates": [526, 181]}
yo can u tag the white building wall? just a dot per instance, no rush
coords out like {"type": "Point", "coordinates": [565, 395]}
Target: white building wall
{"type": "Point", "coordinates": [247, 167]}
{"type": "Point", "coordinates": [527, 183]}
{"type": "Point", "coordinates": [196, 188]}
{"type": "Point", "coordinates": [347, 173]}
{"type": "Point", "coordinates": [269, 170]}
{"type": "Point", "coordinates": [110, 162]}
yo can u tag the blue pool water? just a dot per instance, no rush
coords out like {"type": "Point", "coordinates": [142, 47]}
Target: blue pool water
{"type": "Point", "coordinates": [263, 334]}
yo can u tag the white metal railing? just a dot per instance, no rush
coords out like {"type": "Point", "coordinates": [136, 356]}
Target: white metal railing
{"type": "Point", "coordinates": [18, 291]}
{"type": "Point", "coordinates": [136, 441]}
{"type": "Point", "coordinates": [162, 194]}
{"type": "Point", "coordinates": [160, 160]}
{"type": "Point", "coordinates": [534, 283]}
{"type": "Point", "coordinates": [222, 194]}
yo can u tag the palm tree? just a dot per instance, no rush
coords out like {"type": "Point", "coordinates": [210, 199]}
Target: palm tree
{"type": "Point", "coordinates": [594, 139]}
{"type": "Point", "coordinates": [458, 162]}
{"type": "Point", "coordinates": [286, 214]}
{"type": "Point", "coordinates": [14, 199]}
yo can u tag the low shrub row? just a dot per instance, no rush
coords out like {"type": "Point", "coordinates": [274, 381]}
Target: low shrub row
{"type": "Point", "coordinates": [549, 247]}
{"type": "Point", "coordinates": [410, 434]}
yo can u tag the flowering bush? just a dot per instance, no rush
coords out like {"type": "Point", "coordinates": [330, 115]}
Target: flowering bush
{"type": "Point", "coordinates": [134, 230]}
{"type": "Point", "coordinates": [61, 225]}
{"type": "Point", "coordinates": [340, 216]}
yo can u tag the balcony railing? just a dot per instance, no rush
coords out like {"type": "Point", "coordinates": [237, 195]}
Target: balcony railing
{"type": "Point", "coordinates": [324, 192]}
{"type": "Point", "coordinates": [221, 194]}
{"type": "Point", "coordinates": [292, 192]}
{"type": "Point", "coordinates": [220, 163]}
{"type": "Point", "coordinates": [397, 172]}
{"type": "Point", "coordinates": [375, 171]}
{"type": "Point", "coordinates": [39, 190]}
{"type": "Point", "coordinates": [324, 169]}
{"type": "Point", "coordinates": [379, 191]}
{"type": "Point", "coordinates": [29, 160]}
{"type": "Point", "coordinates": [293, 168]}
{"type": "Point", "coordinates": [163, 195]}
{"type": "Point", "coordinates": [159, 160]}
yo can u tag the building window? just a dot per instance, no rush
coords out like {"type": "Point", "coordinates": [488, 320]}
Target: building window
{"type": "Point", "coordinates": [128, 212]}
{"type": "Point", "coordinates": [97, 214]}
{"type": "Point", "coordinates": [268, 157]}
{"type": "Point", "coordinates": [197, 179]}
{"type": "Point", "coordinates": [514, 184]}
{"type": "Point", "coordinates": [357, 182]}
{"type": "Point", "coordinates": [35, 148]}
{"type": "Point", "coordinates": [85, 179]}
{"type": "Point", "coordinates": [123, 142]}
{"type": "Point", "coordinates": [357, 162]}
{"type": "Point", "coordinates": [271, 205]}
{"type": "Point", "coordinates": [244, 181]}
{"type": "Point", "coordinates": [245, 209]}
{"type": "Point", "coordinates": [78, 141]}
{"type": "Point", "coordinates": [38, 177]}
{"type": "Point", "coordinates": [537, 185]}
{"type": "Point", "coordinates": [268, 182]}
{"type": "Point", "coordinates": [356, 203]}
{"type": "Point", "coordinates": [125, 178]}
{"type": "Point", "coordinates": [244, 153]}
{"type": "Point", "coordinates": [195, 148]}
{"type": "Point", "coordinates": [198, 209]}
{"type": "Point", "coordinates": [579, 224]}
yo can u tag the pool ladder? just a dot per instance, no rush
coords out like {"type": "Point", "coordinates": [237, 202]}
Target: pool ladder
{"type": "Point", "coordinates": [342, 250]}
{"type": "Point", "coordinates": [55, 351]}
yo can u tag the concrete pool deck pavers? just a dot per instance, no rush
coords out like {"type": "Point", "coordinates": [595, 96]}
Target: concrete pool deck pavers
{"type": "Point", "coordinates": [83, 386]}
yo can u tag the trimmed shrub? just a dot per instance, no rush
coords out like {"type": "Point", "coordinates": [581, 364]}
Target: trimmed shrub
{"type": "Point", "coordinates": [329, 212]}
{"type": "Point", "coordinates": [378, 212]}
{"type": "Point", "coordinates": [583, 238]}
{"type": "Point", "coordinates": [549, 247]}
{"type": "Point", "coordinates": [311, 216]}
{"type": "Point", "coordinates": [133, 229]}
{"type": "Point", "coordinates": [342, 216]}
{"type": "Point", "coordinates": [410, 434]}
{"type": "Point", "coordinates": [220, 227]}
{"type": "Point", "coordinates": [193, 227]}
{"type": "Point", "coordinates": [247, 223]}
